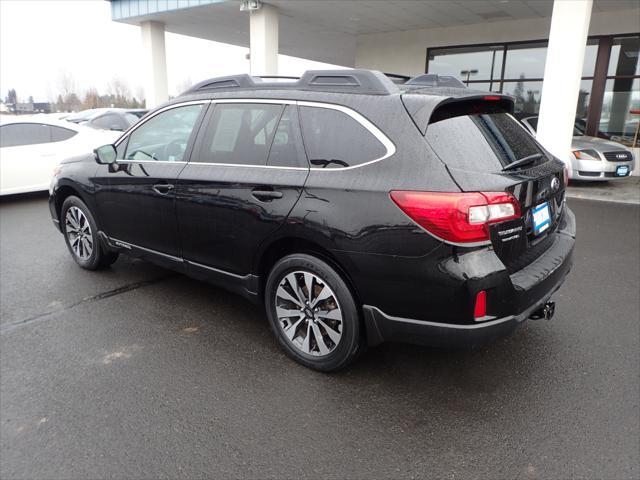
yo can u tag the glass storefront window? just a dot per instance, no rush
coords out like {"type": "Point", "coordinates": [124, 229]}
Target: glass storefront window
{"type": "Point", "coordinates": [524, 69]}
{"type": "Point", "coordinates": [527, 60]}
{"type": "Point", "coordinates": [584, 95]}
{"type": "Point", "coordinates": [624, 57]}
{"type": "Point", "coordinates": [453, 61]}
{"type": "Point", "coordinates": [620, 96]}
{"type": "Point", "coordinates": [527, 95]}
{"type": "Point", "coordinates": [485, 86]}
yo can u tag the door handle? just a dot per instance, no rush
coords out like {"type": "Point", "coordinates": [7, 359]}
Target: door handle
{"type": "Point", "coordinates": [266, 195]}
{"type": "Point", "coordinates": [162, 188]}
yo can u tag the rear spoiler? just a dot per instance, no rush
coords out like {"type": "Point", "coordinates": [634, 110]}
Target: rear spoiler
{"type": "Point", "coordinates": [426, 109]}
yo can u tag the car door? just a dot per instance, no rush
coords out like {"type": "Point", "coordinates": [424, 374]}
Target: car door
{"type": "Point", "coordinates": [136, 195]}
{"type": "Point", "coordinates": [245, 175]}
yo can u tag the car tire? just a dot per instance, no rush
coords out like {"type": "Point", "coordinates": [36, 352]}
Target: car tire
{"type": "Point", "coordinates": [322, 330]}
{"type": "Point", "coordinates": [81, 235]}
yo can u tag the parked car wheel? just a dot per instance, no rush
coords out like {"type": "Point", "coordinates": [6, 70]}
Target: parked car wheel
{"type": "Point", "coordinates": [81, 236]}
{"type": "Point", "coordinates": [313, 313]}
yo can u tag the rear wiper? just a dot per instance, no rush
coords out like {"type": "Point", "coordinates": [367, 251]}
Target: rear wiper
{"type": "Point", "coordinates": [523, 161]}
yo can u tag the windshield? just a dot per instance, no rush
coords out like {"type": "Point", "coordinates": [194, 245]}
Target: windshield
{"type": "Point", "coordinates": [486, 142]}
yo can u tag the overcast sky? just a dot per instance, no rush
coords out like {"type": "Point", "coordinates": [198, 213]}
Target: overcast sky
{"type": "Point", "coordinates": [41, 40]}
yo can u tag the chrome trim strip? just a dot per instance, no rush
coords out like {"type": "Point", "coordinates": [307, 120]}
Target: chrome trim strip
{"type": "Point", "coordinates": [164, 109]}
{"type": "Point", "coordinates": [115, 241]}
{"type": "Point", "coordinates": [375, 131]}
{"type": "Point", "coordinates": [170, 257]}
{"type": "Point", "coordinates": [217, 270]}
{"type": "Point", "coordinates": [452, 326]}
{"type": "Point", "coordinates": [254, 100]}
{"type": "Point", "coordinates": [210, 164]}
{"type": "Point", "coordinates": [151, 161]}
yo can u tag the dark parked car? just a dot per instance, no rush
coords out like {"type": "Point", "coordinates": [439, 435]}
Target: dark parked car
{"type": "Point", "coordinates": [118, 119]}
{"type": "Point", "coordinates": [357, 211]}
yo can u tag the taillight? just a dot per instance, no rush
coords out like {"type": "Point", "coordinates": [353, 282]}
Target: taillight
{"type": "Point", "coordinates": [566, 176]}
{"type": "Point", "coordinates": [457, 217]}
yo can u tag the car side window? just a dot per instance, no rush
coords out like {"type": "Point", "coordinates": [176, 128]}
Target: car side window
{"type": "Point", "coordinates": [286, 148]}
{"type": "Point", "coordinates": [333, 139]}
{"type": "Point", "coordinates": [60, 134]}
{"type": "Point", "coordinates": [19, 134]}
{"type": "Point", "coordinates": [163, 137]}
{"type": "Point", "coordinates": [239, 133]}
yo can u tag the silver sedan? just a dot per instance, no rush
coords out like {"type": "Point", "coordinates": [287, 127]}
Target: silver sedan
{"type": "Point", "coordinates": [593, 158]}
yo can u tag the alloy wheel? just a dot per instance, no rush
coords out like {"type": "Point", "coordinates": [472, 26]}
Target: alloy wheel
{"type": "Point", "coordinates": [79, 233]}
{"type": "Point", "coordinates": [308, 313]}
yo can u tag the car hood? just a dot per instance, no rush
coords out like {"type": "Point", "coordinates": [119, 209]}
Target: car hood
{"type": "Point", "coordinates": [595, 143]}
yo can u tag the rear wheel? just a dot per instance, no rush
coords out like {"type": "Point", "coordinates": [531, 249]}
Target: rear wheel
{"type": "Point", "coordinates": [313, 313]}
{"type": "Point", "coordinates": [81, 235]}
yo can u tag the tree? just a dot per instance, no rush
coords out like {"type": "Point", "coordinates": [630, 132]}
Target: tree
{"type": "Point", "coordinates": [91, 98]}
{"type": "Point", "coordinates": [12, 97]}
{"type": "Point", "coordinates": [119, 90]}
{"type": "Point", "coordinates": [518, 93]}
{"type": "Point", "coordinates": [30, 99]}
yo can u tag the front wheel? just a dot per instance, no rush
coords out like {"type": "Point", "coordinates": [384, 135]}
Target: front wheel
{"type": "Point", "coordinates": [81, 235]}
{"type": "Point", "coordinates": [313, 313]}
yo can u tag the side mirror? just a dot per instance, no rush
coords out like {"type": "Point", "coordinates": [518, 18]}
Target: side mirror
{"type": "Point", "coordinates": [105, 155]}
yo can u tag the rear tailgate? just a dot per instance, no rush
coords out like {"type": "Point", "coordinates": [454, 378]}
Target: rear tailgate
{"type": "Point", "coordinates": [477, 140]}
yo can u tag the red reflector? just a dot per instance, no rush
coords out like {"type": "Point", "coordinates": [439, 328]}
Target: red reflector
{"type": "Point", "coordinates": [457, 217]}
{"type": "Point", "coordinates": [480, 310]}
{"type": "Point", "coordinates": [492, 98]}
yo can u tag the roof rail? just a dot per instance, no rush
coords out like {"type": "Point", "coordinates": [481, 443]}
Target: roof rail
{"type": "Point", "coordinates": [397, 78]}
{"type": "Point", "coordinates": [364, 82]}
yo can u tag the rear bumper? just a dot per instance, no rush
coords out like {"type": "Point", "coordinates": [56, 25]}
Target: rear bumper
{"type": "Point", "coordinates": [532, 287]}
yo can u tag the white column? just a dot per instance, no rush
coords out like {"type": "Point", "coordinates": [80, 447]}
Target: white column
{"type": "Point", "coordinates": [562, 72]}
{"type": "Point", "coordinates": [263, 40]}
{"type": "Point", "coordinates": [155, 63]}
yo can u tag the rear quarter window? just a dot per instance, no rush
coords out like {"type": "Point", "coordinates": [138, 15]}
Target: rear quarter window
{"type": "Point", "coordinates": [334, 139]}
{"type": "Point", "coordinates": [60, 134]}
{"type": "Point", "coordinates": [486, 142]}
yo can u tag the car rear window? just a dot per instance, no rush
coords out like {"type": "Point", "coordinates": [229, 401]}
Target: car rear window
{"type": "Point", "coordinates": [487, 142]}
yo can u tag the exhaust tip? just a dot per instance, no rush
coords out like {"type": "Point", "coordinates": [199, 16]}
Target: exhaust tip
{"type": "Point", "coordinates": [545, 312]}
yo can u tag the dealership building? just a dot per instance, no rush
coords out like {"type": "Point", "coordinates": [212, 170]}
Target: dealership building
{"type": "Point", "coordinates": [560, 59]}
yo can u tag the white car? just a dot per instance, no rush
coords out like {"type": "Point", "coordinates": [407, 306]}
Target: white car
{"type": "Point", "coordinates": [31, 147]}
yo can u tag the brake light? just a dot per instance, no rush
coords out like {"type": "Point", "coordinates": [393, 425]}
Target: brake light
{"type": "Point", "coordinates": [480, 309]}
{"type": "Point", "coordinates": [457, 217]}
{"type": "Point", "coordinates": [492, 98]}
{"type": "Point", "coordinates": [566, 176]}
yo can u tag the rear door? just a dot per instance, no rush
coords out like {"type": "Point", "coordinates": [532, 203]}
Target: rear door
{"type": "Point", "coordinates": [245, 175]}
{"type": "Point", "coordinates": [493, 152]}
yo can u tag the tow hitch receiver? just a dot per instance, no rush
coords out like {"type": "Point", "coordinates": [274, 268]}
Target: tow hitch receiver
{"type": "Point", "coordinates": [546, 312]}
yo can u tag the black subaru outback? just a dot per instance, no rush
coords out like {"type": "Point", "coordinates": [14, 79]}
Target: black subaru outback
{"type": "Point", "coordinates": [357, 210]}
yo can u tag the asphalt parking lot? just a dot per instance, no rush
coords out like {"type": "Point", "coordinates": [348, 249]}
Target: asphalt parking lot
{"type": "Point", "coordinates": [137, 372]}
